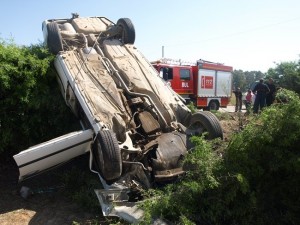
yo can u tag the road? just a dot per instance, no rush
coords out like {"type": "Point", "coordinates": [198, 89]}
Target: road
{"type": "Point", "coordinates": [231, 108]}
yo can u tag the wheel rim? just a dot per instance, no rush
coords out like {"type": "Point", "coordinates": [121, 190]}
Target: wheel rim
{"type": "Point", "coordinates": [195, 128]}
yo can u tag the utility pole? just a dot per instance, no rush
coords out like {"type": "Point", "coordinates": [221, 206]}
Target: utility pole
{"type": "Point", "coordinates": [163, 51]}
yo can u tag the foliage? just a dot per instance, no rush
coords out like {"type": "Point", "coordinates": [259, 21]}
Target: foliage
{"type": "Point", "coordinates": [267, 164]}
{"type": "Point", "coordinates": [31, 107]}
{"type": "Point", "coordinates": [192, 107]}
{"type": "Point", "coordinates": [256, 182]}
{"type": "Point", "coordinates": [252, 76]}
{"type": "Point", "coordinates": [245, 79]}
{"type": "Point", "coordinates": [80, 185]}
{"type": "Point", "coordinates": [238, 79]}
{"type": "Point", "coordinates": [180, 201]}
{"type": "Point", "coordinates": [286, 75]}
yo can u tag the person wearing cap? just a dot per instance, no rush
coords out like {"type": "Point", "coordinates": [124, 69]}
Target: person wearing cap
{"type": "Point", "coordinates": [261, 91]}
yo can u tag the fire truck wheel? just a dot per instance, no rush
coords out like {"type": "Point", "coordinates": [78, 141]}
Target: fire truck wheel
{"type": "Point", "coordinates": [128, 31]}
{"type": "Point", "coordinates": [213, 105]}
{"type": "Point", "coordinates": [205, 122]}
{"type": "Point", "coordinates": [107, 156]}
{"type": "Point", "coordinates": [54, 40]}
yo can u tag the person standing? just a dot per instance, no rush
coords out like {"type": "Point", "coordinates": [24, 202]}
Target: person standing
{"type": "Point", "coordinates": [271, 94]}
{"type": "Point", "coordinates": [248, 100]}
{"type": "Point", "coordinates": [238, 99]}
{"type": "Point", "coordinates": [261, 91]}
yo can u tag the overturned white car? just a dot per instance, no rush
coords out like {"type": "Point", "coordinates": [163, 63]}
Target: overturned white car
{"type": "Point", "coordinates": [134, 126]}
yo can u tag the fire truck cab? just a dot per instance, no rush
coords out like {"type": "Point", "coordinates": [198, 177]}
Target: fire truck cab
{"type": "Point", "coordinates": [206, 84]}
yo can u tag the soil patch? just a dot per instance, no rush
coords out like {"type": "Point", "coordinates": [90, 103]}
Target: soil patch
{"type": "Point", "coordinates": [49, 203]}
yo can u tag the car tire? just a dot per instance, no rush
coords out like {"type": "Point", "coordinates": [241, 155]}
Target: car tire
{"type": "Point", "coordinates": [205, 122]}
{"type": "Point", "coordinates": [128, 31]}
{"type": "Point", "coordinates": [217, 126]}
{"type": "Point", "coordinates": [213, 105]}
{"type": "Point", "coordinates": [107, 156]}
{"type": "Point", "coordinates": [54, 40]}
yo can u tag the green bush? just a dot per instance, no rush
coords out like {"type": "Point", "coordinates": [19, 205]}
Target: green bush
{"type": "Point", "coordinates": [256, 182]}
{"type": "Point", "coordinates": [265, 159]}
{"type": "Point", "coordinates": [181, 201]}
{"type": "Point", "coordinates": [31, 107]}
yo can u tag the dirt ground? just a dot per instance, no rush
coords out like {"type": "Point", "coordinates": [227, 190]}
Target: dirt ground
{"type": "Point", "coordinates": [54, 207]}
{"type": "Point", "coordinates": [48, 204]}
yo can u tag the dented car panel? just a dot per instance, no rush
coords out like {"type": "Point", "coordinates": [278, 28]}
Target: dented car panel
{"type": "Point", "coordinates": [52, 153]}
{"type": "Point", "coordinates": [115, 202]}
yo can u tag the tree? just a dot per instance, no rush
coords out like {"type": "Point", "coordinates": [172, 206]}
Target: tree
{"type": "Point", "coordinates": [238, 78]}
{"type": "Point", "coordinates": [252, 76]}
{"type": "Point", "coordinates": [286, 75]}
{"type": "Point", "coordinates": [245, 79]}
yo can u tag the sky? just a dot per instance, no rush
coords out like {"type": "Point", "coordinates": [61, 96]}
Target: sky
{"type": "Point", "coordinates": [247, 35]}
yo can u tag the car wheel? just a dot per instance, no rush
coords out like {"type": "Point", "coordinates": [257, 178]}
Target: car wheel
{"type": "Point", "coordinates": [54, 40]}
{"type": "Point", "coordinates": [205, 122]}
{"type": "Point", "coordinates": [213, 105]}
{"type": "Point", "coordinates": [128, 31]}
{"type": "Point", "coordinates": [107, 155]}
{"type": "Point", "coordinates": [217, 126]}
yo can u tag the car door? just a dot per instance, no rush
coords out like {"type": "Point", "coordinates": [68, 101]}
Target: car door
{"type": "Point", "coordinates": [49, 154]}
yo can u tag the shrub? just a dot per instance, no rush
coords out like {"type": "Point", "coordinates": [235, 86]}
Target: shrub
{"type": "Point", "coordinates": [257, 181]}
{"type": "Point", "coordinates": [31, 107]}
{"type": "Point", "coordinates": [265, 159]}
{"type": "Point", "coordinates": [180, 201]}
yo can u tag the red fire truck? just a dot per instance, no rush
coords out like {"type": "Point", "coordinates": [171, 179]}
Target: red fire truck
{"type": "Point", "coordinates": [206, 84]}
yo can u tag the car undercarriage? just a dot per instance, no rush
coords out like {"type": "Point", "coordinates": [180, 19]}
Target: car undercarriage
{"type": "Point", "coordinates": [138, 129]}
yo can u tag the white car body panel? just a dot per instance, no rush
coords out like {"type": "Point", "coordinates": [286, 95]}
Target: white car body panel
{"type": "Point", "coordinates": [49, 154]}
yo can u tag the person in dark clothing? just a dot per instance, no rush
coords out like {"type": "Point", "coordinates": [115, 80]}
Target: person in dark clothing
{"type": "Point", "coordinates": [261, 90]}
{"type": "Point", "coordinates": [271, 94]}
{"type": "Point", "coordinates": [238, 99]}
